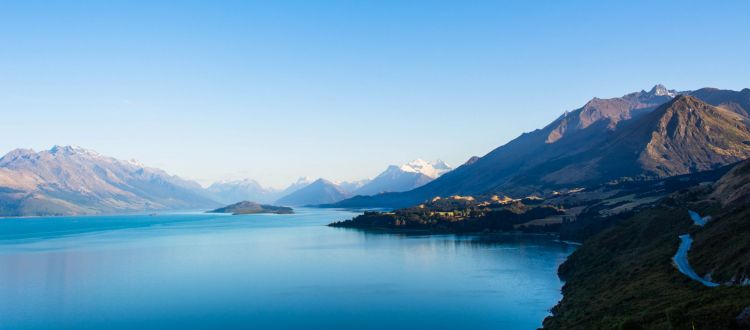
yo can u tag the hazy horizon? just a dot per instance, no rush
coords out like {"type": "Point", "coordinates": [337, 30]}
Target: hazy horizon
{"type": "Point", "coordinates": [274, 92]}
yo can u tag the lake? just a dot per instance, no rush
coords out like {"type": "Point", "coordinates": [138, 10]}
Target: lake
{"type": "Point", "coordinates": [194, 270]}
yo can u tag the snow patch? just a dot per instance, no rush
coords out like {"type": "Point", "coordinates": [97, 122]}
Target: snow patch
{"type": "Point", "coordinates": [432, 169]}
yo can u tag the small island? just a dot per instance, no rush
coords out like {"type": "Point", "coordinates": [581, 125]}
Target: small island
{"type": "Point", "coordinates": [247, 207]}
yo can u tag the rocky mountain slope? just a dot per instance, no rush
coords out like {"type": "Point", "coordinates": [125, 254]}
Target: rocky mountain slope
{"type": "Point", "coordinates": [72, 180]}
{"type": "Point", "coordinates": [637, 136]}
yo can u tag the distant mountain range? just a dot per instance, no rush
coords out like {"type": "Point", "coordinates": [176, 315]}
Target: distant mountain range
{"type": "Point", "coordinates": [395, 178]}
{"type": "Point", "coordinates": [68, 180]}
{"type": "Point", "coordinates": [72, 180]}
{"type": "Point", "coordinates": [250, 190]}
{"type": "Point", "coordinates": [638, 136]}
{"type": "Point", "coordinates": [319, 192]}
{"type": "Point", "coordinates": [240, 190]}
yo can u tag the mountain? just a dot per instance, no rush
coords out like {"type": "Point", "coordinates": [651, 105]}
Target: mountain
{"type": "Point", "coordinates": [405, 177]}
{"type": "Point", "coordinates": [319, 192]}
{"type": "Point", "coordinates": [625, 277]}
{"type": "Point", "coordinates": [638, 136]}
{"type": "Point", "coordinates": [738, 102]}
{"type": "Point", "coordinates": [239, 190]}
{"type": "Point", "coordinates": [297, 185]}
{"type": "Point", "coordinates": [431, 169]}
{"type": "Point", "coordinates": [246, 207]}
{"type": "Point", "coordinates": [72, 180]}
{"type": "Point", "coordinates": [394, 178]}
{"type": "Point", "coordinates": [687, 135]}
{"type": "Point", "coordinates": [249, 189]}
{"type": "Point", "coordinates": [599, 114]}
{"type": "Point", "coordinates": [353, 185]}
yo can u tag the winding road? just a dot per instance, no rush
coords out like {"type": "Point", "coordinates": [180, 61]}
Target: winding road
{"type": "Point", "coordinates": [698, 219]}
{"type": "Point", "coordinates": [680, 258]}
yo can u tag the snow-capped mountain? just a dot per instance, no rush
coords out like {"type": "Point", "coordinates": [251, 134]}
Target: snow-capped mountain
{"type": "Point", "coordinates": [404, 177]}
{"type": "Point", "coordinates": [431, 169]}
{"type": "Point", "coordinates": [395, 178]}
{"type": "Point", "coordinates": [68, 180]}
{"type": "Point", "coordinates": [660, 90]}
{"type": "Point", "coordinates": [73, 180]}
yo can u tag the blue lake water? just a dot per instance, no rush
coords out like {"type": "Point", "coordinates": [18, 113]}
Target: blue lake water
{"type": "Point", "coordinates": [192, 270]}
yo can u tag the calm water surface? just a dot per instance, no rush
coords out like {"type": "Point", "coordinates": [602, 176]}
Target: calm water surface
{"type": "Point", "coordinates": [195, 270]}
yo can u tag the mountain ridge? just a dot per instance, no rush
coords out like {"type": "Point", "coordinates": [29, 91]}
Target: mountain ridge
{"type": "Point", "coordinates": [66, 180]}
{"type": "Point", "coordinates": [564, 152]}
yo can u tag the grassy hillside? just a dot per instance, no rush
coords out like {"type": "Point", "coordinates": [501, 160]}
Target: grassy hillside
{"type": "Point", "coordinates": [624, 278]}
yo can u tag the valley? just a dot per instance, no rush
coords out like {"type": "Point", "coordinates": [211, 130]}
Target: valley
{"type": "Point", "coordinates": [654, 184]}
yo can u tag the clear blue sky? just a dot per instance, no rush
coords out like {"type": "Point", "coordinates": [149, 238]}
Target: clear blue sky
{"type": "Point", "coordinates": [338, 89]}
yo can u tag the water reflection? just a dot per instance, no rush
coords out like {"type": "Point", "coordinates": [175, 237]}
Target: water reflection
{"type": "Point", "coordinates": [204, 271]}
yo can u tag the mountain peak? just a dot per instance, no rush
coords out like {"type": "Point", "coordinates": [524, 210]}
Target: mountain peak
{"type": "Point", "coordinates": [688, 135]}
{"type": "Point", "coordinates": [15, 154]}
{"type": "Point", "coordinates": [611, 111]}
{"type": "Point", "coordinates": [321, 191]}
{"type": "Point", "coordinates": [660, 90]}
{"type": "Point", "coordinates": [441, 165]}
{"type": "Point", "coordinates": [58, 148]}
{"type": "Point", "coordinates": [324, 181]}
{"type": "Point", "coordinates": [72, 150]}
{"type": "Point", "coordinates": [472, 160]}
{"type": "Point", "coordinates": [685, 103]}
{"type": "Point", "coordinates": [303, 180]}
{"type": "Point", "coordinates": [431, 169]}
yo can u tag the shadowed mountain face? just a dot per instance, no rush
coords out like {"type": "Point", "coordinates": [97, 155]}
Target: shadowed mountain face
{"type": "Point", "coordinates": [319, 192]}
{"type": "Point", "coordinates": [738, 102]}
{"type": "Point", "coordinates": [71, 180]}
{"type": "Point", "coordinates": [640, 135]}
